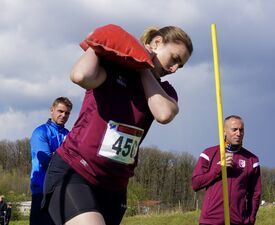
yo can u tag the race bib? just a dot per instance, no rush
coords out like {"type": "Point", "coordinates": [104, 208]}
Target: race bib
{"type": "Point", "coordinates": [121, 142]}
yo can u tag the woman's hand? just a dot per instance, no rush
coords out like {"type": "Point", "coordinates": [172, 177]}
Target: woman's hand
{"type": "Point", "coordinates": [155, 61]}
{"type": "Point", "coordinates": [162, 106]}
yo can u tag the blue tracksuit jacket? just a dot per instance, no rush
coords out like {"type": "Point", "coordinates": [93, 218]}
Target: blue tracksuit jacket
{"type": "Point", "coordinates": [44, 141]}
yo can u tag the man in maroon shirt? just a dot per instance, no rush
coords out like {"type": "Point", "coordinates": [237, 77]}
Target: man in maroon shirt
{"type": "Point", "coordinates": [244, 181]}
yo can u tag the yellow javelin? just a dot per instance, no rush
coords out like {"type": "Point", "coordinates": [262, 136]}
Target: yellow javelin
{"type": "Point", "coordinates": [220, 123]}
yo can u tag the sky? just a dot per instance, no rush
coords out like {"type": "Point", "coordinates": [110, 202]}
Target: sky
{"type": "Point", "coordinates": [39, 43]}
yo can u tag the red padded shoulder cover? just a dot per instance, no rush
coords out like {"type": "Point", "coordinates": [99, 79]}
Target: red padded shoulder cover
{"type": "Point", "coordinates": [117, 45]}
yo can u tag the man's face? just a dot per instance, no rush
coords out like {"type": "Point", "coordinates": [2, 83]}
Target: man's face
{"type": "Point", "coordinates": [234, 131]}
{"type": "Point", "coordinates": [60, 113]}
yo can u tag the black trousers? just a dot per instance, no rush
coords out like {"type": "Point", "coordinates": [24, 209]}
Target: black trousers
{"type": "Point", "coordinates": [37, 216]}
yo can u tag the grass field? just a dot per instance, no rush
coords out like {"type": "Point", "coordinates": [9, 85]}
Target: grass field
{"type": "Point", "coordinates": [266, 216]}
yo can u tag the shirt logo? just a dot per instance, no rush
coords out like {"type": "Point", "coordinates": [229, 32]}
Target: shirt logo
{"type": "Point", "coordinates": [120, 80]}
{"type": "Point", "coordinates": [242, 163]}
{"type": "Point", "coordinates": [83, 162]}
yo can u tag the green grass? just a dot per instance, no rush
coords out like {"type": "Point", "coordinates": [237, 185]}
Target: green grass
{"type": "Point", "coordinates": [163, 219]}
{"type": "Point", "coordinates": [265, 216]}
{"type": "Point", "coordinates": [19, 222]}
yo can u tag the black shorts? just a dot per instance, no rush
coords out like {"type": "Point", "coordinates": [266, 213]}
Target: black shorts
{"type": "Point", "coordinates": [67, 194]}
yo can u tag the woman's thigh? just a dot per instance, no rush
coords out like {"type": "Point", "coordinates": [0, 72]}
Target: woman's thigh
{"type": "Point", "coordinates": [86, 218]}
{"type": "Point", "coordinates": [80, 201]}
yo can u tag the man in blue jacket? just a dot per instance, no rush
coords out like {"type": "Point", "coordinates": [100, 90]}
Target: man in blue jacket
{"type": "Point", "coordinates": [45, 139]}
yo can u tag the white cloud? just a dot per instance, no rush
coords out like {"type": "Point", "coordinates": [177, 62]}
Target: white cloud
{"type": "Point", "coordinates": [39, 44]}
{"type": "Point", "coordinates": [16, 124]}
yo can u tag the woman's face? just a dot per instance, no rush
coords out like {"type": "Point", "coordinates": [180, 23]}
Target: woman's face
{"type": "Point", "coordinates": [169, 57]}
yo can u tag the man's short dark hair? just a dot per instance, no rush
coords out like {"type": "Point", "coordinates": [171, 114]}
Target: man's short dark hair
{"type": "Point", "coordinates": [63, 100]}
{"type": "Point", "coordinates": [233, 116]}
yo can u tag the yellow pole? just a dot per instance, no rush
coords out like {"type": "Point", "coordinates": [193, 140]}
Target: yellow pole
{"type": "Point", "coordinates": [220, 123]}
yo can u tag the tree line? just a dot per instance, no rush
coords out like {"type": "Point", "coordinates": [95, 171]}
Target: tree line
{"type": "Point", "coordinates": [162, 179]}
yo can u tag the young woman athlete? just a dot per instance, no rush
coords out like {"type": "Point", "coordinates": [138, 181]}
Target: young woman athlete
{"type": "Point", "coordinates": [87, 179]}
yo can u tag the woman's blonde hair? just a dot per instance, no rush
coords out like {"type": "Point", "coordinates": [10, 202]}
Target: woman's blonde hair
{"type": "Point", "coordinates": [169, 34]}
